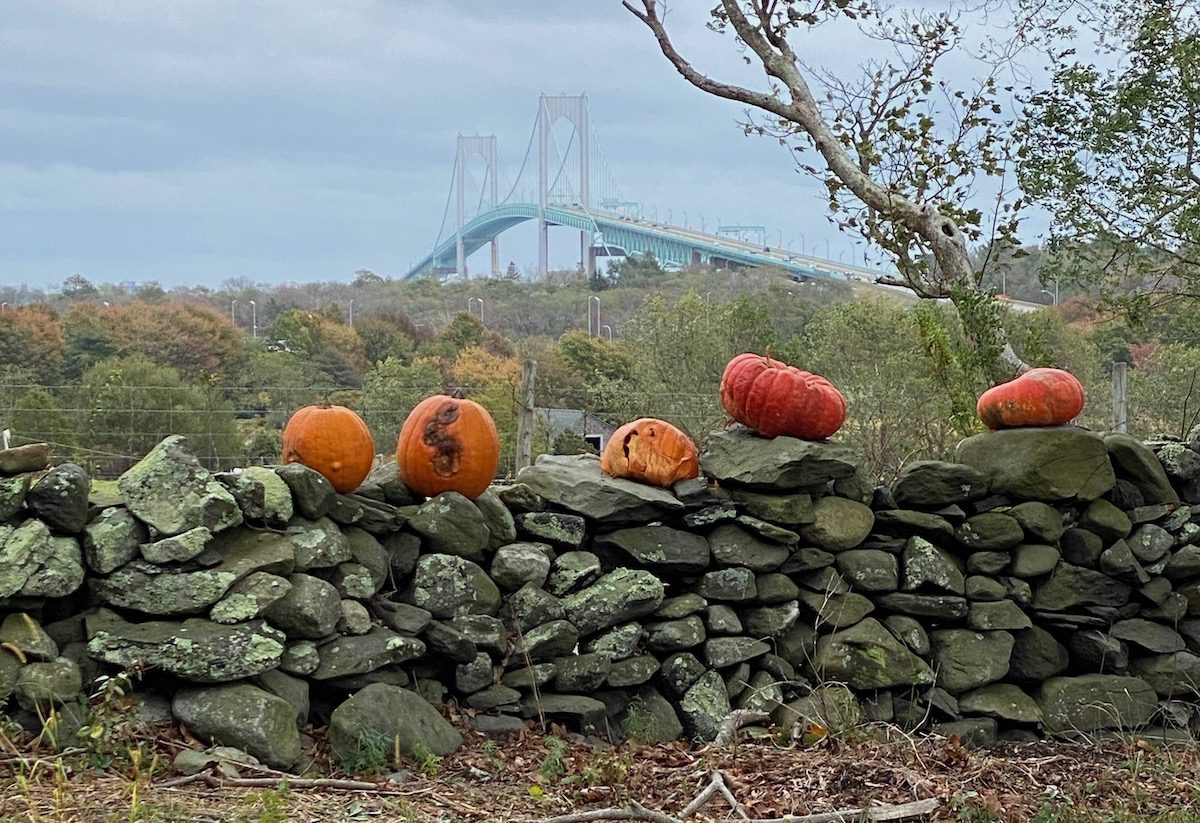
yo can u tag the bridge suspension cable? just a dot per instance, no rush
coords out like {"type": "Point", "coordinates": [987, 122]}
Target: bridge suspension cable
{"type": "Point", "coordinates": [449, 197]}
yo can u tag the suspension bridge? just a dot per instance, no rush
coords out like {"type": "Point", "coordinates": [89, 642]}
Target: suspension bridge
{"type": "Point", "coordinates": [582, 194]}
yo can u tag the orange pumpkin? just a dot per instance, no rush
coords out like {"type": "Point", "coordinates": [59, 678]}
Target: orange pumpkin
{"type": "Point", "coordinates": [448, 444]}
{"type": "Point", "coordinates": [332, 440]}
{"type": "Point", "coordinates": [776, 399]}
{"type": "Point", "coordinates": [650, 451]}
{"type": "Point", "coordinates": [1040, 397]}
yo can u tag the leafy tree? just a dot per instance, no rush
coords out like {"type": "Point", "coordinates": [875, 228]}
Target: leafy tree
{"type": "Point", "coordinates": [638, 270]}
{"type": "Point", "coordinates": [681, 352]}
{"type": "Point", "coordinates": [193, 339]}
{"type": "Point", "coordinates": [571, 442]}
{"type": "Point", "coordinates": [333, 346]}
{"type": "Point", "coordinates": [272, 384]}
{"type": "Point", "coordinates": [134, 403]}
{"type": "Point", "coordinates": [387, 335]}
{"type": "Point", "coordinates": [1112, 152]}
{"type": "Point", "coordinates": [901, 149]}
{"type": "Point", "coordinates": [89, 336]}
{"type": "Point", "coordinates": [595, 358]}
{"type": "Point", "coordinates": [365, 277]}
{"type": "Point", "coordinates": [33, 337]}
{"type": "Point", "coordinates": [1164, 391]}
{"type": "Point", "coordinates": [390, 390]}
{"type": "Point", "coordinates": [77, 287]}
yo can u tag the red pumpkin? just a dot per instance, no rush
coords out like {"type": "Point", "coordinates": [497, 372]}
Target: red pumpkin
{"type": "Point", "coordinates": [332, 440]}
{"type": "Point", "coordinates": [448, 444]}
{"type": "Point", "coordinates": [650, 451]}
{"type": "Point", "coordinates": [776, 399]}
{"type": "Point", "coordinates": [1040, 397]}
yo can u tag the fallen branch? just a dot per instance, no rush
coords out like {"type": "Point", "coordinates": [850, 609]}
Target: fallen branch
{"type": "Point", "coordinates": [716, 785]}
{"type": "Point", "coordinates": [637, 812]}
{"type": "Point", "coordinates": [634, 811]}
{"type": "Point", "coordinates": [272, 782]}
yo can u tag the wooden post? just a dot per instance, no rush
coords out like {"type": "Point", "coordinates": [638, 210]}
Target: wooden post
{"type": "Point", "coordinates": [1120, 396]}
{"type": "Point", "coordinates": [525, 418]}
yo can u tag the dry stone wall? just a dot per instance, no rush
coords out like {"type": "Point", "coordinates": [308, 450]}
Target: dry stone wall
{"type": "Point", "coordinates": [1048, 582]}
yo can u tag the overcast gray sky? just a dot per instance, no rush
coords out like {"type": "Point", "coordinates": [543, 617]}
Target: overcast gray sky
{"type": "Point", "coordinates": [192, 141]}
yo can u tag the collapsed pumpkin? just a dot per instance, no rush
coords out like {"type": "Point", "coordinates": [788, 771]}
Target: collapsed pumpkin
{"type": "Point", "coordinates": [448, 444]}
{"type": "Point", "coordinates": [650, 451]}
{"type": "Point", "coordinates": [776, 399]}
{"type": "Point", "coordinates": [1040, 397]}
{"type": "Point", "coordinates": [332, 440]}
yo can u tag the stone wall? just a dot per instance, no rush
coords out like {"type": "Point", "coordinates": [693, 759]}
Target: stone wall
{"type": "Point", "coordinates": [1047, 583]}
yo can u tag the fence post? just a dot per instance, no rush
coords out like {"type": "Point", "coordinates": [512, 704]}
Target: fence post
{"type": "Point", "coordinates": [1120, 396]}
{"type": "Point", "coordinates": [525, 419]}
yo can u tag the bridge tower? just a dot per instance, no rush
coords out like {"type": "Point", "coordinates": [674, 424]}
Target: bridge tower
{"type": "Point", "coordinates": [550, 110]}
{"type": "Point", "coordinates": [468, 147]}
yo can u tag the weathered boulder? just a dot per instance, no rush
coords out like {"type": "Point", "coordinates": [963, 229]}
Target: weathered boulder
{"type": "Point", "coordinates": [1069, 586]}
{"type": "Point", "coordinates": [739, 457]}
{"type": "Point", "coordinates": [41, 686]}
{"type": "Point", "coordinates": [516, 564]}
{"type": "Point", "coordinates": [1171, 675]}
{"type": "Point", "coordinates": [1096, 701]}
{"type": "Point", "coordinates": [344, 656]}
{"type": "Point", "coordinates": [312, 493]}
{"type": "Point", "coordinates": [20, 632]}
{"type": "Point", "coordinates": [250, 597]}
{"type": "Point", "coordinates": [310, 608]}
{"type": "Point", "coordinates": [572, 570]}
{"type": "Point", "coordinates": [733, 585]}
{"type": "Point", "coordinates": [170, 490]}
{"type": "Point", "coordinates": [501, 526]}
{"type": "Point", "coordinates": [869, 570]}
{"type": "Point", "coordinates": [704, 706]}
{"type": "Point", "coordinates": [868, 656]}
{"type": "Point", "coordinates": [1106, 520]}
{"type": "Point", "coordinates": [451, 586]}
{"type": "Point", "coordinates": [1042, 522]}
{"type": "Point", "coordinates": [60, 498]}
{"type": "Point", "coordinates": [243, 716]}
{"type": "Point", "coordinates": [932, 484]}
{"type": "Point", "coordinates": [1145, 634]}
{"type": "Point", "coordinates": [1036, 656]}
{"type": "Point", "coordinates": [927, 566]}
{"type": "Point", "coordinates": [575, 483]}
{"type": "Point", "coordinates": [317, 544]}
{"type": "Point", "coordinates": [30, 457]}
{"type": "Point", "coordinates": [1033, 560]}
{"type": "Point", "coordinates": [386, 717]}
{"type": "Point", "coordinates": [617, 597]}
{"type": "Point", "coordinates": [662, 549]}
{"type": "Point", "coordinates": [838, 524]}
{"type": "Point", "coordinates": [794, 509]}
{"type": "Point", "coordinates": [564, 530]}
{"type": "Point", "coordinates": [734, 546]}
{"type": "Point", "coordinates": [196, 650]}
{"type": "Point", "coordinates": [1137, 462]}
{"type": "Point", "coordinates": [177, 548]}
{"type": "Point", "coordinates": [451, 524]}
{"type": "Point", "coordinates": [13, 491]}
{"type": "Point", "coordinates": [36, 563]}
{"type": "Point", "coordinates": [1057, 463]}
{"type": "Point", "coordinates": [990, 531]}
{"type": "Point", "coordinates": [967, 659]}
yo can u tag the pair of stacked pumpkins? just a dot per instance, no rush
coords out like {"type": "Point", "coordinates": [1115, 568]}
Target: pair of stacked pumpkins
{"type": "Point", "coordinates": [446, 444]}
{"type": "Point", "coordinates": [451, 444]}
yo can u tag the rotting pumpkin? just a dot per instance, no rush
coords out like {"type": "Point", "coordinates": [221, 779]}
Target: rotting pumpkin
{"type": "Point", "coordinates": [1039, 397]}
{"type": "Point", "coordinates": [774, 398]}
{"type": "Point", "coordinates": [448, 444]}
{"type": "Point", "coordinates": [650, 451]}
{"type": "Point", "coordinates": [332, 440]}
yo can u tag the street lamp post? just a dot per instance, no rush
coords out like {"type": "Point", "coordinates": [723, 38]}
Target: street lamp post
{"type": "Point", "coordinates": [827, 252]}
{"type": "Point", "coordinates": [4, 306]}
{"type": "Point", "coordinates": [253, 320]}
{"type": "Point", "coordinates": [606, 326]}
{"type": "Point", "coordinates": [471, 307]}
{"type": "Point", "coordinates": [779, 232]}
{"type": "Point", "coordinates": [233, 313]}
{"type": "Point", "coordinates": [352, 312]}
{"type": "Point", "coordinates": [1052, 295]}
{"type": "Point", "coordinates": [703, 225]}
{"type": "Point", "coordinates": [596, 300]}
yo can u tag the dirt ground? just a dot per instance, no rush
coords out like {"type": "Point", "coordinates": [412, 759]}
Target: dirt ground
{"type": "Point", "coordinates": [535, 776]}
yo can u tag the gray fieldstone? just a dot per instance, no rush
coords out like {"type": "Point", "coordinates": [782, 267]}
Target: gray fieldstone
{"type": "Point", "coordinates": [739, 457]}
{"type": "Point", "coordinates": [171, 491]}
{"type": "Point", "coordinates": [839, 524]}
{"type": "Point", "coordinates": [663, 549]}
{"type": "Point", "coordinates": [60, 498]}
{"type": "Point", "coordinates": [932, 484]}
{"type": "Point", "coordinates": [575, 483]}
{"type": "Point", "coordinates": [1049, 464]}
{"type": "Point", "coordinates": [244, 716]}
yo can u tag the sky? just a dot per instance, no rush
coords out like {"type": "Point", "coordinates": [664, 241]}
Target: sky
{"type": "Point", "coordinates": [193, 141]}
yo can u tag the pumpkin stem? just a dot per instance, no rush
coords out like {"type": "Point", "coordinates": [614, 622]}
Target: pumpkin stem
{"type": "Point", "coordinates": [457, 394]}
